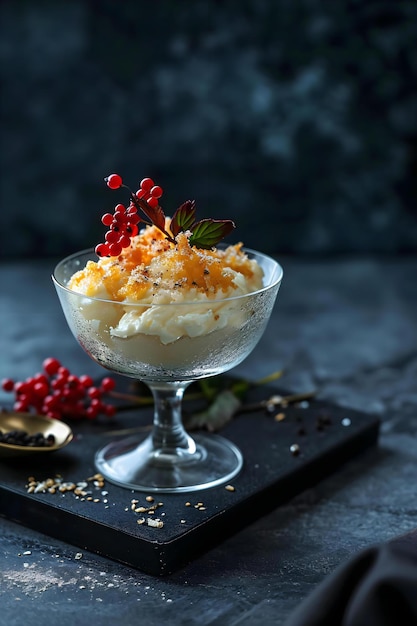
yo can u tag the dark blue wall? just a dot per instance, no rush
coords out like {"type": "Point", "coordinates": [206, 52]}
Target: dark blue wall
{"type": "Point", "coordinates": [295, 118]}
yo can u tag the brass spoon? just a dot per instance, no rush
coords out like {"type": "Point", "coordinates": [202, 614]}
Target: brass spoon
{"type": "Point", "coordinates": [32, 424]}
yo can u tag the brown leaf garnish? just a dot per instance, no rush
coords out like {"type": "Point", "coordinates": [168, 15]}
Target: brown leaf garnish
{"type": "Point", "coordinates": [155, 214]}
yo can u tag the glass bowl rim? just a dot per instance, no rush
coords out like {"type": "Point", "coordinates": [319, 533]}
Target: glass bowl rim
{"type": "Point", "coordinates": [275, 282]}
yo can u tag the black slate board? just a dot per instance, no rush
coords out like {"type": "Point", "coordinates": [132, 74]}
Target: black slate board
{"type": "Point", "coordinates": [271, 476]}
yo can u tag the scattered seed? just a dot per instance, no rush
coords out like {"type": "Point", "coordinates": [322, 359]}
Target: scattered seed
{"type": "Point", "coordinates": [201, 508]}
{"type": "Point", "coordinates": [78, 556]}
{"type": "Point", "coordinates": [95, 477]}
{"type": "Point", "coordinates": [155, 523]}
{"type": "Point", "coordinates": [149, 499]}
{"type": "Point", "coordinates": [141, 520]}
{"type": "Point", "coordinates": [279, 417]}
{"type": "Point", "coordinates": [230, 488]}
{"type": "Point", "coordinates": [295, 449]}
{"type": "Point", "coordinates": [188, 504]}
{"type": "Point", "coordinates": [57, 485]}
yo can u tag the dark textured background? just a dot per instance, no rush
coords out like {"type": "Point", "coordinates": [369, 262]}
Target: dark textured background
{"type": "Point", "coordinates": [297, 119]}
{"type": "Point", "coordinates": [304, 112]}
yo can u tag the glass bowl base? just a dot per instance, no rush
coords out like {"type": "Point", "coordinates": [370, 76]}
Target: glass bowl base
{"type": "Point", "coordinates": [133, 463]}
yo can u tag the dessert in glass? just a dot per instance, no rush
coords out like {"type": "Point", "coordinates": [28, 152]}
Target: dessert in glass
{"type": "Point", "coordinates": [167, 305]}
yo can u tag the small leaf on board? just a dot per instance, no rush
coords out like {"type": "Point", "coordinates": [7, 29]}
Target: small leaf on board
{"type": "Point", "coordinates": [218, 414]}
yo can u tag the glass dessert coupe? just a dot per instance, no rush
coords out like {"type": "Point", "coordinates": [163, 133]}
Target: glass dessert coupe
{"type": "Point", "coordinates": [169, 459]}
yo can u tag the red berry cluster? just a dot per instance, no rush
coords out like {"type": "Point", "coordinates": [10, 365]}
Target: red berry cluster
{"type": "Point", "coordinates": [58, 394]}
{"type": "Point", "coordinates": [149, 192]}
{"type": "Point", "coordinates": [123, 224]}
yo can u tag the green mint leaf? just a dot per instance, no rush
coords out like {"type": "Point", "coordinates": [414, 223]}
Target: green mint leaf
{"type": "Point", "coordinates": [207, 233]}
{"type": "Point", "coordinates": [183, 218]}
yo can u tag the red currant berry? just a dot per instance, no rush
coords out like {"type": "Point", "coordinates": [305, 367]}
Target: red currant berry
{"type": "Point", "coordinates": [91, 412]}
{"type": "Point", "coordinates": [109, 410]}
{"type": "Point", "coordinates": [102, 250]}
{"type": "Point", "coordinates": [41, 389]}
{"type": "Point", "coordinates": [156, 191]}
{"type": "Point", "coordinates": [57, 384]}
{"type": "Point", "coordinates": [86, 381]}
{"type": "Point", "coordinates": [146, 184]}
{"type": "Point", "coordinates": [7, 384]}
{"type": "Point", "coordinates": [40, 378]}
{"type": "Point", "coordinates": [107, 384]}
{"type": "Point", "coordinates": [119, 218]}
{"type": "Point", "coordinates": [50, 402]}
{"type": "Point", "coordinates": [63, 372]}
{"type": "Point", "coordinates": [115, 249]}
{"type": "Point", "coordinates": [51, 366]}
{"type": "Point", "coordinates": [96, 403]}
{"type": "Point", "coordinates": [124, 241]}
{"type": "Point", "coordinates": [20, 406]}
{"type": "Point", "coordinates": [114, 181]}
{"type": "Point", "coordinates": [132, 230]}
{"type": "Point", "coordinates": [153, 202]}
{"type": "Point", "coordinates": [22, 388]}
{"type": "Point", "coordinates": [94, 392]}
{"type": "Point", "coordinates": [107, 219]}
{"type": "Point", "coordinates": [111, 236]}
{"type": "Point", "coordinates": [133, 219]}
